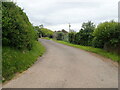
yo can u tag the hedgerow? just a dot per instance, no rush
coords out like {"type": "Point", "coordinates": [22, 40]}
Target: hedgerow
{"type": "Point", "coordinates": [17, 31]}
{"type": "Point", "coordinates": [107, 33]}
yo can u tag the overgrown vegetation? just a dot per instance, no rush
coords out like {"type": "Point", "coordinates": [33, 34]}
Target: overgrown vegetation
{"type": "Point", "coordinates": [20, 46]}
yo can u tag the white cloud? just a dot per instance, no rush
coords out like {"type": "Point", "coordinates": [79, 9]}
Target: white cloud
{"type": "Point", "coordinates": [56, 14]}
{"type": "Point", "coordinates": [75, 26]}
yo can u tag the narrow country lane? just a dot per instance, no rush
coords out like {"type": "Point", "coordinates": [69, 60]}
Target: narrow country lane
{"type": "Point", "coordinates": [67, 67]}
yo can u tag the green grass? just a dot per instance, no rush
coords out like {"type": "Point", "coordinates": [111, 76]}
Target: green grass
{"type": "Point", "coordinates": [99, 51]}
{"type": "Point", "coordinates": [46, 38]}
{"type": "Point", "coordinates": [15, 61]}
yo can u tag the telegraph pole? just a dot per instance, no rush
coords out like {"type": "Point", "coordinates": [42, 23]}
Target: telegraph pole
{"type": "Point", "coordinates": [69, 27]}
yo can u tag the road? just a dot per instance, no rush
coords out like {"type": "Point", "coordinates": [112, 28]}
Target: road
{"type": "Point", "coordinates": [67, 67]}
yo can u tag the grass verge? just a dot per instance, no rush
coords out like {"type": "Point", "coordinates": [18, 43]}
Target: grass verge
{"type": "Point", "coordinates": [99, 51]}
{"type": "Point", "coordinates": [47, 38]}
{"type": "Point", "coordinates": [15, 61]}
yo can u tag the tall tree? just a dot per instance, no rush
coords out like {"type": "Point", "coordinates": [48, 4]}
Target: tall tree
{"type": "Point", "coordinates": [86, 33]}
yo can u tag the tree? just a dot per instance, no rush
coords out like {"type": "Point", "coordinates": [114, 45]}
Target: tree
{"type": "Point", "coordinates": [44, 32]}
{"type": "Point", "coordinates": [41, 26]}
{"type": "Point", "coordinates": [86, 33]}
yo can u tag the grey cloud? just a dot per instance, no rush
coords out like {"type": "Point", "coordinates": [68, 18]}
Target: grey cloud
{"type": "Point", "coordinates": [57, 12]}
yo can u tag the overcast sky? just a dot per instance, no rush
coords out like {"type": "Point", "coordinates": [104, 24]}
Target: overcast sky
{"type": "Point", "coordinates": [56, 14]}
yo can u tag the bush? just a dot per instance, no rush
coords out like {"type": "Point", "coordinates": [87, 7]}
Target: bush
{"type": "Point", "coordinates": [59, 35]}
{"type": "Point", "coordinates": [97, 43]}
{"type": "Point", "coordinates": [107, 33]}
{"type": "Point", "coordinates": [65, 37]}
{"type": "Point", "coordinates": [71, 36]}
{"type": "Point", "coordinates": [17, 32]}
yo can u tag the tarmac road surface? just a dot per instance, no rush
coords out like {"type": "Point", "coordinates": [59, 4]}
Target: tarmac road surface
{"type": "Point", "coordinates": [67, 67]}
